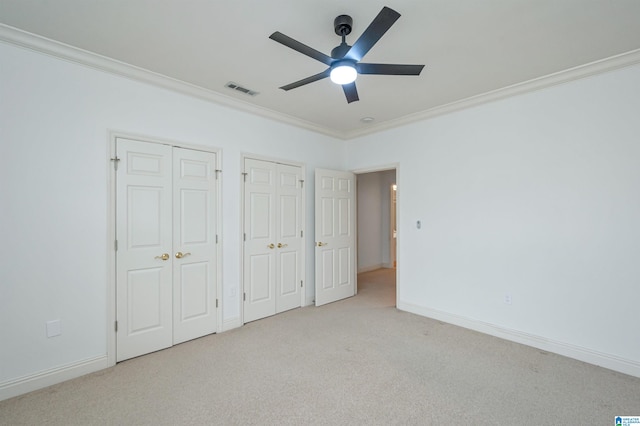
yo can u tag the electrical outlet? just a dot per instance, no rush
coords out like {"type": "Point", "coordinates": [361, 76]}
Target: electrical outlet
{"type": "Point", "coordinates": [507, 298]}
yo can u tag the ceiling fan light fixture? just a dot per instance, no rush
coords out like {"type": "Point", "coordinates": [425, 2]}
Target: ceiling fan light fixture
{"type": "Point", "coordinates": [343, 72]}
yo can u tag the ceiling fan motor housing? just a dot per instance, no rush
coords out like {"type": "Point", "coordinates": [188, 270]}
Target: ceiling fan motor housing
{"type": "Point", "coordinates": [339, 51]}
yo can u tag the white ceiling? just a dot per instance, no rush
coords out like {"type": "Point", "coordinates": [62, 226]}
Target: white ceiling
{"type": "Point", "coordinates": [470, 47]}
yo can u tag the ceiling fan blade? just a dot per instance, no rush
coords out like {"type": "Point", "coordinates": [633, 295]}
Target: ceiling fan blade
{"type": "Point", "coordinates": [319, 76]}
{"type": "Point", "coordinates": [376, 29]}
{"type": "Point", "coordinates": [350, 92]}
{"type": "Point", "coordinates": [389, 69]}
{"type": "Point", "coordinates": [300, 47]}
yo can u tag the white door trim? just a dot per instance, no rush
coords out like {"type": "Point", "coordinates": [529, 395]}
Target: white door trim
{"type": "Point", "coordinates": [243, 156]}
{"type": "Point", "coordinates": [111, 228]}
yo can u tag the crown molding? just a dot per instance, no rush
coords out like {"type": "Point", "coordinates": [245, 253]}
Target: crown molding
{"type": "Point", "coordinates": [69, 53]}
{"type": "Point", "coordinates": [593, 68]}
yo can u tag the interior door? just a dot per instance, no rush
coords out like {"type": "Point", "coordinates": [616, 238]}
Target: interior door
{"type": "Point", "coordinates": [166, 254]}
{"type": "Point", "coordinates": [143, 257]}
{"type": "Point", "coordinates": [289, 237]}
{"type": "Point", "coordinates": [259, 239]}
{"type": "Point", "coordinates": [272, 238]}
{"type": "Point", "coordinates": [335, 235]}
{"type": "Point", "coordinates": [194, 244]}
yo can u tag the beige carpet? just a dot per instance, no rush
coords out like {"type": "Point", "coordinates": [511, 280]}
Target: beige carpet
{"type": "Point", "coordinates": [357, 361]}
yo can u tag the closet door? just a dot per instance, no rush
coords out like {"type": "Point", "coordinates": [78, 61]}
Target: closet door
{"type": "Point", "coordinates": [144, 246]}
{"type": "Point", "coordinates": [259, 239]}
{"type": "Point", "coordinates": [289, 238]}
{"type": "Point", "coordinates": [194, 244]}
{"type": "Point", "coordinates": [272, 238]}
{"type": "Point", "coordinates": [166, 259]}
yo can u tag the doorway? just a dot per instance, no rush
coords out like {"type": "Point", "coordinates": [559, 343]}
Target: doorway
{"type": "Point", "coordinates": [376, 224]}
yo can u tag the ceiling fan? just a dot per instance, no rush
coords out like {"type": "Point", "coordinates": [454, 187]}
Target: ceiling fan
{"type": "Point", "coordinates": [344, 62]}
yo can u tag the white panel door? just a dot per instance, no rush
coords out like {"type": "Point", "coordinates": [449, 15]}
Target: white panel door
{"type": "Point", "coordinates": [335, 235]}
{"type": "Point", "coordinates": [194, 244]}
{"type": "Point", "coordinates": [273, 238]}
{"type": "Point", "coordinates": [289, 237]}
{"type": "Point", "coordinates": [143, 257]}
{"type": "Point", "coordinates": [166, 258]}
{"type": "Point", "coordinates": [260, 239]}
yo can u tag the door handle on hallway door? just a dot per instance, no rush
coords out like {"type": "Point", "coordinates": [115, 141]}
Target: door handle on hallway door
{"type": "Point", "coordinates": [165, 256]}
{"type": "Point", "coordinates": [320, 244]}
{"type": "Point", "coordinates": [280, 245]}
{"type": "Point", "coordinates": [180, 255]}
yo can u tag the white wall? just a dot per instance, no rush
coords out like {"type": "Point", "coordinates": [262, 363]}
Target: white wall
{"type": "Point", "coordinates": [387, 178]}
{"type": "Point", "coordinates": [369, 221]}
{"type": "Point", "coordinates": [536, 196]}
{"type": "Point", "coordinates": [55, 119]}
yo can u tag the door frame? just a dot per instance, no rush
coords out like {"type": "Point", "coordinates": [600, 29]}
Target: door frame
{"type": "Point", "coordinates": [111, 228]}
{"type": "Point", "coordinates": [303, 261]}
{"type": "Point", "coordinates": [384, 168]}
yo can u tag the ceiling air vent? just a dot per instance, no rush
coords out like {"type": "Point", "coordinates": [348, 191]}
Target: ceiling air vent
{"type": "Point", "coordinates": [238, 88]}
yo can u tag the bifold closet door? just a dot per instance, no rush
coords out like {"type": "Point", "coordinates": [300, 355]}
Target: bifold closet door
{"type": "Point", "coordinates": [272, 238]}
{"type": "Point", "coordinates": [166, 260]}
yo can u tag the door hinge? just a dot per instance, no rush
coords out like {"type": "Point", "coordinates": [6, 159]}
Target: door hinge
{"type": "Point", "coordinates": [301, 183]}
{"type": "Point", "coordinates": [216, 238]}
{"type": "Point", "coordinates": [301, 233]}
{"type": "Point", "coordinates": [244, 297]}
{"type": "Point", "coordinates": [216, 303]}
{"type": "Point", "coordinates": [116, 245]}
{"type": "Point", "coordinates": [300, 283]}
{"type": "Point", "coordinates": [115, 160]}
{"type": "Point", "coordinates": [218, 171]}
{"type": "Point", "coordinates": [244, 176]}
{"type": "Point", "coordinates": [116, 326]}
{"type": "Point", "coordinates": [244, 237]}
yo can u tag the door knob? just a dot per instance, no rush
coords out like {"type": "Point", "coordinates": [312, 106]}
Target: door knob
{"type": "Point", "coordinates": [271, 246]}
{"type": "Point", "coordinates": [320, 244]}
{"type": "Point", "coordinates": [280, 245]}
{"type": "Point", "coordinates": [180, 255]}
{"type": "Point", "coordinates": [165, 256]}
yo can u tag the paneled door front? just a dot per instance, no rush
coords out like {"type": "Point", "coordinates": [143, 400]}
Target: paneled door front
{"type": "Point", "coordinates": [144, 244]}
{"type": "Point", "coordinates": [194, 244]}
{"type": "Point", "coordinates": [272, 238]}
{"type": "Point", "coordinates": [166, 260]}
{"type": "Point", "coordinates": [289, 237]}
{"type": "Point", "coordinates": [335, 236]}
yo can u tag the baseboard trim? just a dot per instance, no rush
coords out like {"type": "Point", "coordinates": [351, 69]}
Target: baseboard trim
{"type": "Point", "coordinates": [22, 385]}
{"type": "Point", "coordinates": [231, 323]}
{"type": "Point", "coordinates": [370, 268]}
{"type": "Point", "coordinates": [609, 361]}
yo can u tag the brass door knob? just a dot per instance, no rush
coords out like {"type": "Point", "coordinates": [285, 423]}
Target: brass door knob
{"type": "Point", "coordinates": [320, 244]}
{"type": "Point", "coordinates": [180, 255]}
{"type": "Point", "coordinates": [271, 246]}
{"type": "Point", "coordinates": [280, 245]}
{"type": "Point", "coordinates": [165, 256]}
